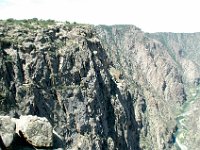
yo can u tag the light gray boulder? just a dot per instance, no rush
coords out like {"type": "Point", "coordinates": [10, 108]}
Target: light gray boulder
{"type": "Point", "coordinates": [7, 130]}
{"type": "Point", "coordinates": [35, 130]}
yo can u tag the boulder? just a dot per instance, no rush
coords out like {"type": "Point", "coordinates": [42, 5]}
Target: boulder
{"type": "Point", "coordinates": [28, 46]}
{"type": "Point", "coordinates": [7, 130]}
{"type": "Point", "coordinates": [35, 130]}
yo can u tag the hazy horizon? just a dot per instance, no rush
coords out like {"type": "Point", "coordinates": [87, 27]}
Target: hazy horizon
{"type": "Point", "coordinates": [150, 16]}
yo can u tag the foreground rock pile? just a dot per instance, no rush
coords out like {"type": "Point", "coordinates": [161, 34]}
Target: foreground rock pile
{"type": "Point", "coordinates": [32, 131]}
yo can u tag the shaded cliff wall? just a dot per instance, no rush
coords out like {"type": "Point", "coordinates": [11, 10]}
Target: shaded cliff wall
{"type": "Point", "coordinates": [61, 72]}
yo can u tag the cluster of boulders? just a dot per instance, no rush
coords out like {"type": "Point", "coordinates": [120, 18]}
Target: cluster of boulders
{"type": "Point", "coordinates": [27, 131]}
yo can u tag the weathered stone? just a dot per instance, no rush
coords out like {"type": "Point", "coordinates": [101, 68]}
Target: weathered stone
{"type": "Point", "coordinates": [7, 130]}
{"type": "Point", "coordinates": [35, 130]}
{"type": "Point", "coordinates": [40, 38]}
{"type": "Point", "coordinates": [28, 46]}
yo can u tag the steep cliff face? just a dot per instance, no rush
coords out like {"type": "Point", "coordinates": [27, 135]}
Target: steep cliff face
{"type": "Point", "coordinates": [147, 63]}
{"type": "Point", "coordinates": [63, 73]}
{"type": "Point", "coordinates": [101, 87]}
{"type": "Point", "coordinates": [165, 66]}
{"type": "Point", "coordinates": [185, 48]}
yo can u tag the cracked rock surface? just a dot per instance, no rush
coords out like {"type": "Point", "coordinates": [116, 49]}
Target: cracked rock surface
{"type": "Point", "coordinates": [36, 131]}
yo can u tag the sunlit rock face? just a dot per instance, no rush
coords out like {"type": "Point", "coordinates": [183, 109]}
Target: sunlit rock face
{"type": "Point", "coordinates": [185, 49]}
{"type": "Point", "coordinates": [150, 71]}
{"type": "Point", "coordinates": [99, 87]}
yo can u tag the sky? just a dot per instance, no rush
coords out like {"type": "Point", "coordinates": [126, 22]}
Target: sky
{"type": "Point", "coordinates": [149, 15]}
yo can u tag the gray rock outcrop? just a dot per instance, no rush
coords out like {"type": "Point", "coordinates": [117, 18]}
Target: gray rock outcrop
{"type": "Point", "coordinates": [65, 78]}
{"type": "Point", "coordinates": [7, 131]}
{"type": "Point", "coordinates": [35, 130]}
{"type": "Point", "coordinates": [28, 132]}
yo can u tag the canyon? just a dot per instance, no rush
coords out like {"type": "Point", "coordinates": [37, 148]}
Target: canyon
{"type": "Point", "coordinates": [100, 87]}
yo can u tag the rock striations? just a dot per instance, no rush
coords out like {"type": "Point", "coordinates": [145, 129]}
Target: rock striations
{"type": "Point", "coordinates": [156, 82]}
{"type": "Point", "coordinates": [74, 86]}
